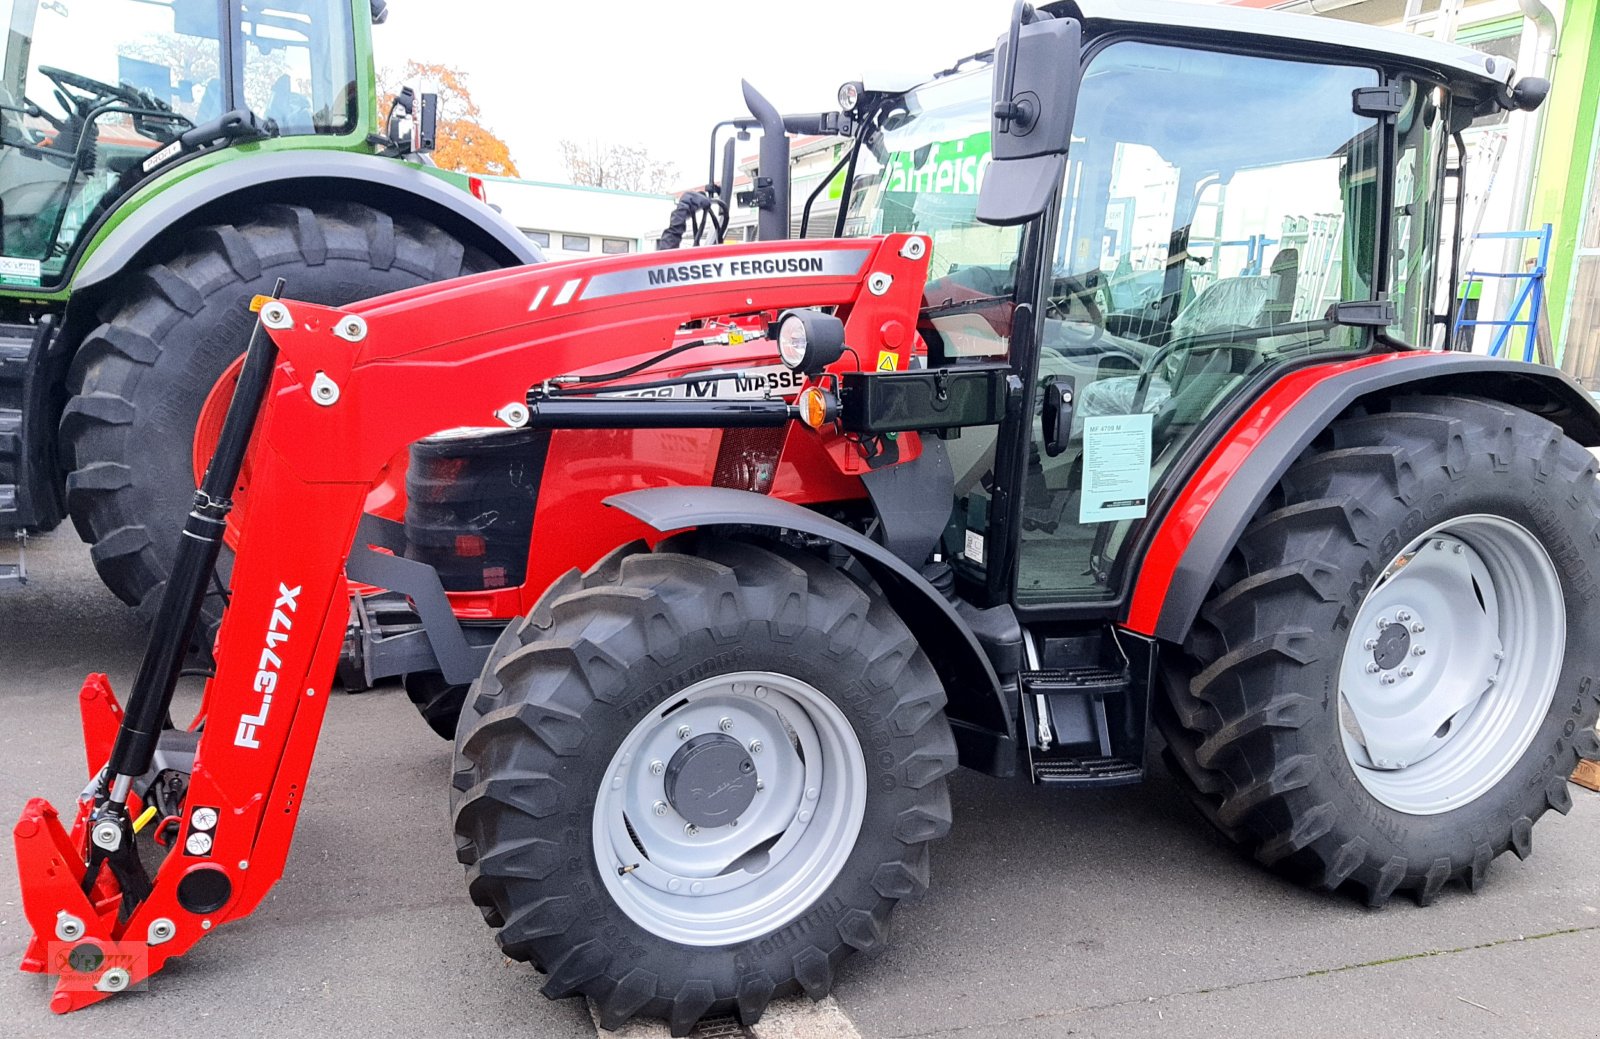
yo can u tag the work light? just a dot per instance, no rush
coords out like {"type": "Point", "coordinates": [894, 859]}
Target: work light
{"type": "Point", "coordinates": [809, 340]}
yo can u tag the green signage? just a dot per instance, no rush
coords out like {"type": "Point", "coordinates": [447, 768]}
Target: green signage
{"type": "Point", "coordinates": [944, 168]}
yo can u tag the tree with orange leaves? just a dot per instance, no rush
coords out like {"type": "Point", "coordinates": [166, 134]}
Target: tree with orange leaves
{"type": "Point", "coordinates": [462, 143]}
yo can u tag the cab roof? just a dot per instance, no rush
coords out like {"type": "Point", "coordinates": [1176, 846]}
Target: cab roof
{"type": "Point", "coordinates": [1313, 34]}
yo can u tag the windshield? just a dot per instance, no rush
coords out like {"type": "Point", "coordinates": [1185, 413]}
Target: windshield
{"type": "Point", "coordinates": [94, 93]}
{"type": "Point", "coordinates": [921, 172]}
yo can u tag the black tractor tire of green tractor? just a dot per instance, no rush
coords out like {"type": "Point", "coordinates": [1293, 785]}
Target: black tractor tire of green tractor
{"type": "Point", "coordinates": [139, 379]}
{"type": "Point", "coordinates": [1250, 711]}
{"type": "Point", "coordinates": [605, 652]}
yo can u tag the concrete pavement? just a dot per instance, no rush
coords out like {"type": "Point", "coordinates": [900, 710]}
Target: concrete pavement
{"type": "Point", "coordinates": [1116, 913]}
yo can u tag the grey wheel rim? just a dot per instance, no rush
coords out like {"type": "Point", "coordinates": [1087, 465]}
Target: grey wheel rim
{"type": "Point", "coordinates": [712, 854]}
{"type": "Point", "coordinates": [1451, 664]}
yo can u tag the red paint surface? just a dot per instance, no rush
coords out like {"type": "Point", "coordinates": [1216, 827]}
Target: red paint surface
{"type": "Point", "coordinates": [1194, 502]}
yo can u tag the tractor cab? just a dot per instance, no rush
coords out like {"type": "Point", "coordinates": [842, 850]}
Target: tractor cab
{"type": "Point", "coordinates": [97, 95]}
{"type": "Point", "coordinates": [1225, 207]}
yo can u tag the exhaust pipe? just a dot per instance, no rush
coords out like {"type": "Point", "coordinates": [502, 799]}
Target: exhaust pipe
{"type": "Point", "coordinates": [771, 193]}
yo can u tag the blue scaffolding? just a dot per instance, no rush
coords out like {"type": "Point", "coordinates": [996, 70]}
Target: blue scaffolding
{"type": "Point", "coordinates": [1529, 298]}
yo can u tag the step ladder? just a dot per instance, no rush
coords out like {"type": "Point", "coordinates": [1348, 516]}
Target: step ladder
{"type": "Point", "coordinates": [1084, 714]}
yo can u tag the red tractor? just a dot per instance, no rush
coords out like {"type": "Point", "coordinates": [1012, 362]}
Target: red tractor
{"type": "Point", "coordinates": [1178, 454]}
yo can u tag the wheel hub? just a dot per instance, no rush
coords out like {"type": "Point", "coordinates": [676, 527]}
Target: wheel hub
{"type": "Point", "coordinates": [1394, 645]}
{"type": "Point", "coordinates": [711, 780]}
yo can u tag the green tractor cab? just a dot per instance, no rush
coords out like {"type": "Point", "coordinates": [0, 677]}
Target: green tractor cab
{"type": "Point", "coordinates": [161, 162]}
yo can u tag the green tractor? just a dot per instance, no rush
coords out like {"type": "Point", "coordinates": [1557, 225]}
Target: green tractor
{"type": "Point", "coordinates": [161, 163]}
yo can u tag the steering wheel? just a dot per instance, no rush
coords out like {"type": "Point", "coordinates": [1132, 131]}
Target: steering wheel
{"type": "Point", "coordinates": [1142, 390]}
{"type": "Point", "coordinates": [66, 82]}
{"type": "Point", "coordinates": [82, 108]}
{"type": "Point", "coordinates": [1076, 288]}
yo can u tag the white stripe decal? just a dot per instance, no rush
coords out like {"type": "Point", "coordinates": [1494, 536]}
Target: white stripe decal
{"type": "Point", "coordinates": [794, 1018]}
{"type": "Point", "coordinates": [539, 298]}
{"type": "Point", "coordinates": [568, 290]}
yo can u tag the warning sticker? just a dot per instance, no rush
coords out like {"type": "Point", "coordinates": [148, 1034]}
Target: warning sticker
{"type": "Point", "coordinates": [888, 361]}
{"type": "Point", "coordinates": [1116, 468]}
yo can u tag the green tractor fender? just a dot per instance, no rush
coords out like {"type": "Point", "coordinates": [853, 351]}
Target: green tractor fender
{"type": "Point", "coordinates": [233, 187]}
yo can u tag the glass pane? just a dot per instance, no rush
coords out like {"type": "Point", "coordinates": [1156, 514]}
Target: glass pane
{"type": "Point", "coordinates": [299, 65]}
{"type": "Point", "coordinates": [575, 243]}
{"type": "Point", "coordinates": [1215, 206]}
{"type": "Point", "coordinates": [1422, 134]}
{"type": "Point", "coordinates": [89, 92]}
{"type": "Point", "coordinates": [922, 173]}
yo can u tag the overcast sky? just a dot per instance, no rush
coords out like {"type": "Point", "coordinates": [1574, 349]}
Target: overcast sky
{"type": "Point", "coordinates": [660, 74]}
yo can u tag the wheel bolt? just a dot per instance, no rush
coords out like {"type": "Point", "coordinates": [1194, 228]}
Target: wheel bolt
{"type": "Point", "coordinates": [683, 732]}
{"type": "Point", "coordinates": [1403, 616]}
{"type": "Point", "coordinates": [1493, 679]}
{"type": "Point", "coordinates": [690, 829]}
{"type": "Point", "coordinates": [1406, 672]}
{"type": "Point", "coordinates": [1457, 550]}
{"type": "Point", "coordinates": [1389, 680]}
{"type": "Point", "coordinates": [726, 725]}
{"type": "Point", "coordinates": [657, 767]}
{"type": "Point", "coordinates": [1372, 668]}
{"type": "Point", "coordinates": [755, 746]}
{"type": "Point", "coordinates": [1419, 651]}
{"type": "Point", "coordinates": [660, 807]}
{"type": "Point", "coordinates": [1417, 628]}
{"type": "Point", "coordinates": [761, 784]}
{"type": "Point", "coordinates": [1383, 622]}
{"type": "Point", "coordinates": [1370, 644]}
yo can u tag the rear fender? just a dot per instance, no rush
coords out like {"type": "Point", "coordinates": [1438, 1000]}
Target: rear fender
{"type": "Point", "coordinates": [1211, 511]}
{"type": "Point", "coordinates": [976, 706]}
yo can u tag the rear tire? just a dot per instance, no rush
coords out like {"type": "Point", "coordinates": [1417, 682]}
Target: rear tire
{"type": "Point", "coordinates": [556, 736]}
{"type": "Point", "coordinates": [1263, 712]}
{"type": "Point", "coordinates": [139, 380]}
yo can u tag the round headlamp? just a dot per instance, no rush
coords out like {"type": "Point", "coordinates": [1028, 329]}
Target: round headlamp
{"type": "Point", "coordinates": [850, 96]}
{"type": "Point", "coordinates": [809, 340]}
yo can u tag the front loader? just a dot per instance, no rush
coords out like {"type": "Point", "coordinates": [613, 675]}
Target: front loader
{"type": "Point", "coordinates": [1065, 464]}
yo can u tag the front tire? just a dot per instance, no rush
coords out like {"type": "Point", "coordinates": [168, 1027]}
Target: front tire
{"type": "Point", "coordinates": [1306, 718]}
{"type": "Point", "coordinates": [139, 380]}
{"type": "Point", "coordinates": [622, 828]}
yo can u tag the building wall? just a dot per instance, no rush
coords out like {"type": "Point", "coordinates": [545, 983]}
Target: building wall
{"type": "Point", "coordinates": [572, 222]}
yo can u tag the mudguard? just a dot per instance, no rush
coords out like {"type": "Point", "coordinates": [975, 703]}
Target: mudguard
{"type": "Point", "coordinates": [1187, 549]}
{"type": "Point", "coordinates": [976, 707]}
{"type": "Point", "coordinates": [367, 178]}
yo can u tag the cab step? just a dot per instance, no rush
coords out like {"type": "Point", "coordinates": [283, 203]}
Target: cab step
{"type": "Point", "coordinates": [1084, 708]}
{"type": "Point", "coordinates": [1087, 772]}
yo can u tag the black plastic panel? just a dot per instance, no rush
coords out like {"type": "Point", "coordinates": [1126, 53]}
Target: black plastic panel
{"type": "Point", "coordinates": [945, 398]}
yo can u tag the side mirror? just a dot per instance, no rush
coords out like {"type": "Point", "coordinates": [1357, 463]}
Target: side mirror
{"type": "Point", "coordinates": [1035, 93]}
{"type": "Point", "coordinates": [1055, 420]}
{"type": "Point", "coordinates": [425, 123]}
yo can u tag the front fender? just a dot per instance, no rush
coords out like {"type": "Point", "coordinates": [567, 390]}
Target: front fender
{"type": "Point", "coordinates": [976, 706]}
{"type": "Point", "coordinates": [1194, 537]}
{"type": "Point", "coordinates": [301, 175]}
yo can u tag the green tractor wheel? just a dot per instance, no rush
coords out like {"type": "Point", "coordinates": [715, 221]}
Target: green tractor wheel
{"type": "Point", "coordinates": [141, 381]}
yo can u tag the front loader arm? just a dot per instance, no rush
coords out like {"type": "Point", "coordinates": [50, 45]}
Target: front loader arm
{"type": "Point", "coordinates": [425, 360]}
